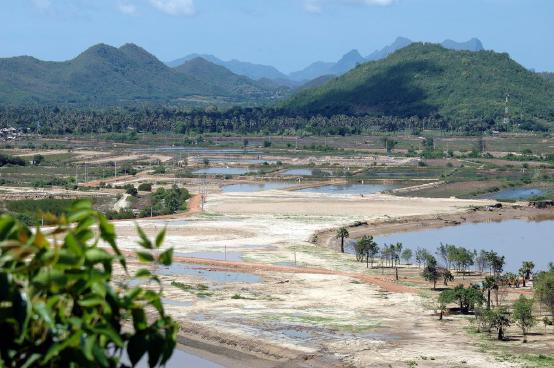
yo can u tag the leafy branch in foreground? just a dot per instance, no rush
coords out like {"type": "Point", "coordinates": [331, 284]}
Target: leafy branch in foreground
{"type": "Point", "coordinates": [59, 306]}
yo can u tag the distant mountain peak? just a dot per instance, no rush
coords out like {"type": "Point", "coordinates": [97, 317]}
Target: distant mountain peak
{"type": "Point", "coordinates": [473, 44]}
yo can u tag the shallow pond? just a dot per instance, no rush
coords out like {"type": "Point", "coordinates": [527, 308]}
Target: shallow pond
{"type": "Point", "coordinates": [297, 172]}
{"type": "Point", "coordinates": [349, 189]}
{"type": "Point", "coordinates": [179, 268]}
{"type": "Point", "coordinates": [515, 193]}
{"type": "Point", "coordinates": [255, 187]}
{"type": "Point", "coordinates": [220, 256]}
{"type": "Point", "coordinates": [222, 171]}
{"type": "Point", "coordinates": [518, 240]}
{"type": "Point", "coordinates": [181, 359]}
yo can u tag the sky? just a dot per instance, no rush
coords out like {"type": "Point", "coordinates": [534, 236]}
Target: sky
{"type": "Point", "coordinates": [288, 34]}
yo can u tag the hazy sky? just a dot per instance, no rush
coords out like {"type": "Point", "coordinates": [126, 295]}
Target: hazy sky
{"type": "Point", "coordinates": [288, 34]}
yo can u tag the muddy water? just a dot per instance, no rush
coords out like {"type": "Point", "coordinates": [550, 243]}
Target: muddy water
{"type": "Point", "coordinates": [349, 189]}
{"type": "Point", "coordinates": [518, 240]}
{"type": "Point", "coordinates": [297, 172]}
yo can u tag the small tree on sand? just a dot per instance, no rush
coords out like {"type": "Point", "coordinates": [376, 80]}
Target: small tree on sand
{"type": "Point", "coordinates": [431, 271]}
{"type": "Point", "coordinates": [341, 234]}
{"type": "Point", "coordinates": [523, 315]}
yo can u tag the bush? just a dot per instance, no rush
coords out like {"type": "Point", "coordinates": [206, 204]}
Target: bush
{"type": "Point", "coordinates": [59, 304]}
{"type": "Point", "coordinates": [11, 160]}
{"type": "Point", "coordinates": [145, 187]}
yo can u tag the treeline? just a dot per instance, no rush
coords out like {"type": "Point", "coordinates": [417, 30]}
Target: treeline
{"type": "Point", "coordinates": [259, 120]}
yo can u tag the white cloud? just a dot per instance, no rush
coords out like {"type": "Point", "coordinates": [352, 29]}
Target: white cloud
{"type": "Point", "coordinates": [42, 4]}
{"type": "Point", "coordinates": [316, 6]}
{"type": "Point", "coordinates": [175, 7]}
{"type": "Point", "coordinates": [312, 6]}
{"type": "Point", "coordinates": [127, 8]}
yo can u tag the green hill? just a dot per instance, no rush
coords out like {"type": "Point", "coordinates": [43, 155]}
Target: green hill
{"type": "Point", "coordinates": [105, 75]}
{"type": "Point", "coordinates": [427, 79]}
{"type": "Point", "coordinates": [229, 83]}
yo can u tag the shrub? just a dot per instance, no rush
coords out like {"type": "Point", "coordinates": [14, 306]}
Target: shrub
{"type": "Point", "coordinates": [145, 187]}
{"type": "Point", "coordinates": [58, 301]}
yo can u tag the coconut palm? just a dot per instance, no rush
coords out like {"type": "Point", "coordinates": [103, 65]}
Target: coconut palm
{"type": "Point", "coordinates": [341, 234]}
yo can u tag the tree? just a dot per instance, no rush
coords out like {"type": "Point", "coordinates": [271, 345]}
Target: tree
{"type": "Point", "coordinates": [131, 190]}
{"type": "Point", "coordinates": [407, 255]}
{"type": "Point", "coordinates": [38, 159]}
{"type": "Point", "coordinates": [526, 270]}
{"type": "Point", "coordinates": [145, 187]}
{"type": "Point", "coordinates": [366, 248]}
{"type": "Point", "coordinates": [422, 256]}
{"type": "Point", "coordinates": [488, 284]}
{"type": "Point", "coordinates": [431, 272]}
{"type": "Point", "coordinates": [467, 298]}
{"type": "Point", "coordinates": [341, 234]}
{"type": "Point", "coordinates": [372, 249]}
{"type": "Point", "coordinates": [499, 319]}
{"type": "Point", "coordinates": [446, 276]}
{"type": "Point", "coordinates": [523, 314]}
{"type": "Point", "coordinates": [543, 284]}
{"type": "Point", "coordinates": [59, 304]}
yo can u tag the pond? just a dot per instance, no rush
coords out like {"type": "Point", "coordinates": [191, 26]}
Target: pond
{"type": "Point", "coordinates": [179, 268]}
{"type": "Point", "coordinates": [518, 240]}
{"type": "Point", "coordinates": [255, 187]}
{"type": "Point", "coordinates": [297, 172]}
{"type": "Point", "coordinates": [349, 189]}
{"type": "Point", "coordinates": [515, 193]}
{"type": "Point", "coordinates": [222, 171]}
{"type": "Point", "coordinates": [181, 359]}
{"type": "Point", "coordinates": [220, 256]}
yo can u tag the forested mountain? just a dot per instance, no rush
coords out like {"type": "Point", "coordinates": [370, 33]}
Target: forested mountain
{"type": "Point", "coordinates": [427, 79]}
{"type": "Point", "coordinates": [353, 58]}
{"type": "Point", "coordinates": [105, 75]}
{"type": "Point", "coordinates": [250, 70]}
{"type": "Point", "coordinates": [230, 83]}
{"type": "Point", "coordinates": [548, 76]}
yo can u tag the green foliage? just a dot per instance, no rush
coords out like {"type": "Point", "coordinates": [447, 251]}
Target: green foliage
{"type": "Point", "coordinates": [11, 160]}
{"type": "Point", "coordinates": [366, 247]}
{"type": "Point", "coordinates": [32, 211]}
{"type": "Point", "coordinates": [145, 187]}
{"type": "Point", "coordinates": [59, 304]}
{"type": "Point", "coordinates": [466, 88]}
{"type": "Point", "coordinates": [167, 201]}
{"type": "Point", "coordinates": [467, 298]}
{"type": "Point", "coordinates": [523, 314]}
{"type": "Point", "coordinates": [431, 271]}
{"type": "Point", "coordinates": [543, 282]}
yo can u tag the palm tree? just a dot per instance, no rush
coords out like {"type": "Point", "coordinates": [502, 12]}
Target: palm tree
{"type": "Point", "coordinates": [526, 270]}
{"type": "Point", "coordinates": [489, 283]}
{"type": "Point", "coordinates": [341, 234]}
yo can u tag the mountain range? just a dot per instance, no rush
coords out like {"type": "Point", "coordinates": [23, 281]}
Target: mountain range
{"type": "Point", "coordinates": [320, 68]}
{"type": "Point", "coordinates": [106, 75]}
{"type": "Point", "coordinates": [427, 79]}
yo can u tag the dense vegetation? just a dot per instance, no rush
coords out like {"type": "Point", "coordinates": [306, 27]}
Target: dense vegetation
{"type": "Point", "coordinates": [426, 80]}
{"type": "Point", "coordinates": [121, 124]}
{"type": "Point", "coordinates": [60, 306]}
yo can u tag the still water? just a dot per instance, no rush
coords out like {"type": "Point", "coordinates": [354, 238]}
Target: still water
{"type": "Point", "coordinates": [181, 359]}
{"type": "Point", "coordinates": [518, 240]}
{"type": "Point", "coordinates": [255, 187]}
{"type": "Point", "coordinates": [349, 189]}
{"type": "Point", "coordinates": [222, 171]}
{"type": "Point", "coordinates": [515, 193]}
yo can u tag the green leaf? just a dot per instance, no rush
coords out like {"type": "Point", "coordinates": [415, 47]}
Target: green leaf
{"type": "Point", "coordinates": [145, 257]}
{"type": "Point", "coordinates": [143, 273]}
{"type": "Point", "coordinates": [166, 257]}
{"type": "Point", "coordinates": [144, 241]}
{"type": "Point", "coordinates": [92, 302]}
{"type": "Point", "coordinates": [97, 255]}
{"type": "Point", "coordinates": [160, 237]}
